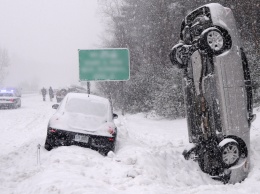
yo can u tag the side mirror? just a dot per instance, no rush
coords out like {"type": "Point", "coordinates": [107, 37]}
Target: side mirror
{"type": "Point", "coordinates": [115, 116]}
{"type": "Point", "coordinates": [55, 106]}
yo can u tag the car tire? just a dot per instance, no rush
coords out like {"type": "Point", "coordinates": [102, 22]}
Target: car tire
{"type": "Point", "coordinates": [175, 55]}
{"type": "Point", "coordinates": [214, 41]}
{"type": "Point", "coordinates": [230, 152]}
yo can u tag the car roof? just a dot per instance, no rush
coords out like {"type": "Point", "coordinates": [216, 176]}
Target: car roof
{"type": "Point", "coordinates": [4, 91]}
{"type": "Point", "coordinates": [10, 88]}
{"type": "Point", "coordinates": [7, 93]}
{"type": "Point", "coordinates": [87, 96]}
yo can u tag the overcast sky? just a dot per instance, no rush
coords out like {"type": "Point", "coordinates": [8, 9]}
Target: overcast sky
{"type": "Point", "coordinates": [43, 37]}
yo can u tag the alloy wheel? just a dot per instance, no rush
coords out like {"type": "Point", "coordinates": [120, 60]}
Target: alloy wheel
{"type": "Point", "coordinates": [230, 154]}
{"type": "Point", "coordinates": [215, 40]}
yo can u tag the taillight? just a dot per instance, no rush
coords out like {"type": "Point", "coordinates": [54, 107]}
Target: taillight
{"type": "Point", "coordinates": [111, 130]}
{"type": "Point", "coordinates": [12, 100]}
{"type": "Point", "coordinates": [51, 130]}
{"type": "Point", "coordinates": [110, 139]}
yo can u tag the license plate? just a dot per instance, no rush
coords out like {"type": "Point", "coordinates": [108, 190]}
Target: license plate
{"type": "Point", "coordinates": [81, 138]}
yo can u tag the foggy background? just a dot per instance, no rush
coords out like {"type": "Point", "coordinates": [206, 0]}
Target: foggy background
{"type": "Point", "coordinates": [42, 38]}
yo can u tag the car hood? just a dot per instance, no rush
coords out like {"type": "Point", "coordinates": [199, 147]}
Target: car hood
{"type": "Point", "coordinates": [81, 123]}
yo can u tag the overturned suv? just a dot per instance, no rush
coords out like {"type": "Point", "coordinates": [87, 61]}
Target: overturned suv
{"type": "Point", "coordinates": [218, 92]}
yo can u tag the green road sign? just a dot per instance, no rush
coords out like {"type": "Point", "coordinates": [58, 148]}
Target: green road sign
{"type": "Point", "coordinates": [104, 64]}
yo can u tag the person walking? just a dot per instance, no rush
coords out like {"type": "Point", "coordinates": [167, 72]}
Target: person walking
{"type": "Point", "coordinates": [51, 94]}
{"type": "Point", "coordinates": [44, 92]}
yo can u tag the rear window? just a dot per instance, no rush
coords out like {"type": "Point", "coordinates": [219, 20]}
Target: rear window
{"type": "Point", "coordinates": [87, 107]}
{"type": "Point", "coordinates": [6, 95]}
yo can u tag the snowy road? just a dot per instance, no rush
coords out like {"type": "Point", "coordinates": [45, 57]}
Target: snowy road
{"type": "Point", "coordinates": [147, 158]}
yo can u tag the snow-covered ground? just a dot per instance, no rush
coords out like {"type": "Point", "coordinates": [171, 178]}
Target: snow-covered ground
{"type": "Point", "coordinates": [147, 158]}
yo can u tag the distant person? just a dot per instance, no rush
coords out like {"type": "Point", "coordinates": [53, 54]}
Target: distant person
{"type": "Point", "coordinates": [51, 94]}
{"type": "Point", "coordinates": [44, 92]}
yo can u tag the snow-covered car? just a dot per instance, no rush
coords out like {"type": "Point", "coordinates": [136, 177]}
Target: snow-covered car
{"type": "Point", "coordinates": [9, 98]}
{"type": "Point", "coordinates": [84, 120]}
{"type": "Point", "coordinates": [60, 94]}
{"type": "Point", "coordinates": [217, 91]}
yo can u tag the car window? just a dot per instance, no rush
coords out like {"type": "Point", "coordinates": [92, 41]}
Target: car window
{"type": "Point", "coordinates": [87, 107]}
{"type": "Point", "coordinates": [6, 94]}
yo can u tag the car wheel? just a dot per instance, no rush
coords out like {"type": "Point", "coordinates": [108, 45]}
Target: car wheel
{"type": "Point", "coordinates": [214, 41]}
{"type": "Point", "coordinates": [176, 55]}
{"type": "Point", "coordinates": [230, 152]}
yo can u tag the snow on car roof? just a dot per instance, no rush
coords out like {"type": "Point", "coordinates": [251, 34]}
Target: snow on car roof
{"type": "Point", "coordinates": [6, 91]}
{"type": "Point", "coordinates": [86, 104]}
{"type": "Point", "coordinates": [89, 96]}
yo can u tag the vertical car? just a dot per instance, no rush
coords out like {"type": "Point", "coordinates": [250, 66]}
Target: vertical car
{"type": "Point", "coordinates": [218, 92]}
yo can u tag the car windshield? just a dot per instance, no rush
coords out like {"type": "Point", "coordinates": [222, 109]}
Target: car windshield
{"type": "Point", "coordinates": [87, 107]}
{"type": "Point", "coordinates": [6, 94]}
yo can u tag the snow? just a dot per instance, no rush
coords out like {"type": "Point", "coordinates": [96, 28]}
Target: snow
{"type": "Point", "coordinates": [147, 158]}
{"type": "Point", "coordinates": [225, 141]}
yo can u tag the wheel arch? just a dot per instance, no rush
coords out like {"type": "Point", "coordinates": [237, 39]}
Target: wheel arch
{"type": "Point", "coordinates": [226, 37]}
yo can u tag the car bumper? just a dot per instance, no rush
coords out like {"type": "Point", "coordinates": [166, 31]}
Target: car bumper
{"type": "Point", "coordinates": [56, 137]}
{"type": "Point", "coordinates": [239, 172]}
{"type": "Point", "coordinates": [7, 104]}
{"type": "Point", "coordinates": [235, 174]}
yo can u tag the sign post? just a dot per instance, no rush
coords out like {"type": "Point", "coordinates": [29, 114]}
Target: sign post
{"type": "Point", "coordinates": [104, 64]}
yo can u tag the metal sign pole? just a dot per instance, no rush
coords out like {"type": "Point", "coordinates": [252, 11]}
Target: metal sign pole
{"type": "Point", "coordinates": [88, 87]}
{"type": "Point", "coordinates": [38, 154]}
{"type": "Point", "coordinates": [123, 98]}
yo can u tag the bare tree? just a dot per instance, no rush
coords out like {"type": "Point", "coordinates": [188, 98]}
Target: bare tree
{"type": "Point", "coordinates": [4, 63]}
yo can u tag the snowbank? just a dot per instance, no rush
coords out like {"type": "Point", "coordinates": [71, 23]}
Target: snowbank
{"type": "Point", "coordinates": [147, 158]}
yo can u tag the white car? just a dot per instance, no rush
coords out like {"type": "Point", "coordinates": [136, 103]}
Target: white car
{"type": "Point", "coordinates": [84, 120]}
{"type": "Point", "coordinates": [217, 91]}
{"type": "Point", "coordinates": [9, 99]}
